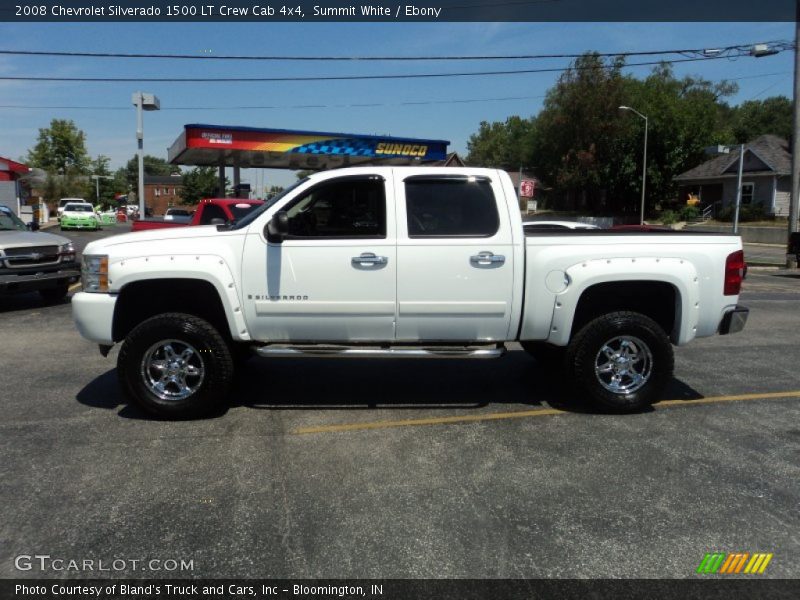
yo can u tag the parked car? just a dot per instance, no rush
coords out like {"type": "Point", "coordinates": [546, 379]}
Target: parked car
{"type": "Point", "coordinates": [211, 211]}
{"type": "Point", "coordinates": [178, 215]}
{"type": "Point", "coordinates": [79, 215]}
{"type": "Point", "coordinates": [33, 260]}
{"type": "Point", "coordinates": [641, 228]}
{"type": "Point", "coordinates": [63, 202]}
{"type": "Point", "coordinates": [555, 225]}
{"type": "Point", "coordinates": [401, 262]}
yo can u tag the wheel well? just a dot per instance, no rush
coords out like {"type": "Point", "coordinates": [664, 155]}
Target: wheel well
{"type": "Point", "coordinates": [141, 300]}
{"type": "Point", "coordinates": [655, 299]}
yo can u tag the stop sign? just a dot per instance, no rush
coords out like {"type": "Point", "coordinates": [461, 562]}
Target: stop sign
{"type": "Point", "coordinates": [526, 188]}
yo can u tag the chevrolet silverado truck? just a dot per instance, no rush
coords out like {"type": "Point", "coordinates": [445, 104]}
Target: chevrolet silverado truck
{"type": "Point", "coordinates": [407, 262]}
{"type": "Point", "coordinates": [34, 261]}
{"type": "Point", "coordinates": [211, 211]}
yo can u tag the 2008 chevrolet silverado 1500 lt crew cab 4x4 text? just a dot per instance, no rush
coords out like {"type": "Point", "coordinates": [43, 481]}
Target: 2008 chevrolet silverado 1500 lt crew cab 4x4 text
{"type": "Point", "coordinates": [401, 262]}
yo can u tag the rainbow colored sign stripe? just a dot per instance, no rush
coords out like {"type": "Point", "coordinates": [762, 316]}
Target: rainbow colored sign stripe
{"type": "Point", "coordinates": [209, 137]}
{"type": "Point", "coordinates": [734, 563]}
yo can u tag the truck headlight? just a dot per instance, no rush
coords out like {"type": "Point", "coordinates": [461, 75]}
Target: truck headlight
{"type": "Point", "coordinates": [67, 252]}
{"type": "Point", "coordinates": [94, 273]}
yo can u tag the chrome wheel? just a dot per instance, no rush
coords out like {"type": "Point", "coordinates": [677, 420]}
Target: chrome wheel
{"type": "Point", "coordinates": [172, 370]}
{"type": "Point", "coordinates": [623, 365]}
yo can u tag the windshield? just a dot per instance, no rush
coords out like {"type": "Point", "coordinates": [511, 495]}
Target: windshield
{"type": "Point", "coordinates": [253, 214]}
{"type": "Point", "coordinates": [78, 208]}
{"type": "Point", "coordinates": [10, 222]}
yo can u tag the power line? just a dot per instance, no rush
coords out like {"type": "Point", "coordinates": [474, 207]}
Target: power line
{"type": "Point", "coordinates": [359, 105]}
{"type": "Point", "coordinates": [344, 77]}
{"type": "Point", "coordinates": [742, 49]}
{"type": "Point", "coordinates": [282, 107]}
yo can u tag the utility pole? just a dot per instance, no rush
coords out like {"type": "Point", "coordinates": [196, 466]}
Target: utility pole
{"type": "Point", "coordinates": [738, 191]}
{"type": "Point", "coordinates": [794, 201]}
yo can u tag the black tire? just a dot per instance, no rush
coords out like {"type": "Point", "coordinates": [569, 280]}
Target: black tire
{"type": "Point", "coordinates": [638, 352]}
{"type": "Point", "coordinates": [207, 373]}
{"type": "Point", "coordinates": [545, 354]}
{"type": "Point", "coordinates": [54, 295]}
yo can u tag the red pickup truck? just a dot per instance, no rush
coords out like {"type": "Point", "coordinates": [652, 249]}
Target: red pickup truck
{"type": "Point", "coordinates": [211, 211]}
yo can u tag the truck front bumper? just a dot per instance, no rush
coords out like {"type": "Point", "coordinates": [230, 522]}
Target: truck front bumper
{"type": "Point", "coordinates": [94, 316]}
{"type": "Point", "coordinates": [734, 320]}
{"type": "Point", "coordinates": [18, 283]}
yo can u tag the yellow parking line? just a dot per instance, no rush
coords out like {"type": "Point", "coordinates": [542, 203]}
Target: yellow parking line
{"type": "Point", "coordinates": [74, 286]}
{"type": "Point", "coordinates": [714, 399]}
{"type": "Point", "coordinates": [522, 414]}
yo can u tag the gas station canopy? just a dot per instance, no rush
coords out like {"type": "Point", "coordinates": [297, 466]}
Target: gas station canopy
{"type": "Point", "coordinates": [250, 147]}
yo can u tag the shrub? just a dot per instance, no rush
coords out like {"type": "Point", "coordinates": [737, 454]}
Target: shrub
{"type": "Point", "coordinates": [747, 212]}
{"type": "Point", "coordinates": [688, 213]}
{"type": "Point", "coordinates": [668, 217]}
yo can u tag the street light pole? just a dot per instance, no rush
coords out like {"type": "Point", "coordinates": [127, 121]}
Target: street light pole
{"type": "Point", "coordinates": [142, 102]}
{"type": "Point", "coordinates": [644, 159]}
{"type": "Point", "coordinates": [97, 179]}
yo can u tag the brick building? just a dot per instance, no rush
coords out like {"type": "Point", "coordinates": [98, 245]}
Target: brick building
{"type": "Point", "coordinates": [162, 191]}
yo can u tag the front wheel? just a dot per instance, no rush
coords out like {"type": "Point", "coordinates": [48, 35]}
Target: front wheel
{"type": "Point", "coordinates": [621, 360]}
{"type": "Point", "coordinates": [175, 365]}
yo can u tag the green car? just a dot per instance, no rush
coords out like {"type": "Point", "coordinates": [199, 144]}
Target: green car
{"type": "Point", "coordinates": [79, 216]}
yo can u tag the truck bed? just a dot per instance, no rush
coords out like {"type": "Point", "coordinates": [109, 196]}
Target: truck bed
{"type": "Point", "coordinates": [563, 264]}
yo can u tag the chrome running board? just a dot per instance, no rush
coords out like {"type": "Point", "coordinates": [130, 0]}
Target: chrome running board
{"type": "Point", "coordinates": [320, 351]}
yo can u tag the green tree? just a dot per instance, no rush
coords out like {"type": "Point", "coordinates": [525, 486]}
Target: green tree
{"type": "Point", "coordinates": [57, 186]}
{"type": "Point", "coordinates": [60, 149]}
{"type": "Point", "coordinates": [501, 145]}
{"type": "Point", "coordinates": [590, 153]}
{"type": "Point", "coordinates": [685, 116]}
{"type": "Point", "coordinates": [578, 139]}
{"type": "Point", "coordinates": [274, 190]}
{"type": "Point", "coordinates": [757, 117]}
{"type": "Point", "coordinates": [109, 188]}
{"type": "Point", "coordinates": [199, 183]}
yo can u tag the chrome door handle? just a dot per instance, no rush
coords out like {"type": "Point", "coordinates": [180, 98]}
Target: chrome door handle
{"type": "Point", "coordinates": [487, 258]}
{"type": "Point", "coordinates": [369, 259]}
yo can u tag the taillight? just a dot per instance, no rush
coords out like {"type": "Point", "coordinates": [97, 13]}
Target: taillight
{"type": "Point", "coordinates": [735, 269]}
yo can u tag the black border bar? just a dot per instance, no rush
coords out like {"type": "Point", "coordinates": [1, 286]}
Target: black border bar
{"type": "Point", "coordinates": [705, 588]}
{"type": "Point", "coordinates": [399, 10]}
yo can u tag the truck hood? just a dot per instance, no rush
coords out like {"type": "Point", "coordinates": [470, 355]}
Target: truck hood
{"type": "Point", "coordinates": [28, 239]}
{"type": "Point", "coordinates": [200, 232]}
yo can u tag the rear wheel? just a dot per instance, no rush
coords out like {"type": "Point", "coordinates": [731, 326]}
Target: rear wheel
{"type": "Point", "coordinates": [621, 360]}
{"type": "Point", "coordinates": [175, 365]}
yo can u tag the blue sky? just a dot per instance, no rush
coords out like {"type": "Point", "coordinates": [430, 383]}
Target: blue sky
{"type": "Point", "coordinates": [111, 132]}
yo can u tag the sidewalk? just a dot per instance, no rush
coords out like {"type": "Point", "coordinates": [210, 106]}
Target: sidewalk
{"type": "Point", "coordinates": [765, 254]}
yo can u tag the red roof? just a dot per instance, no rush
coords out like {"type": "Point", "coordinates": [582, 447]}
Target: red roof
{"type": "Point", "coordinates": [6, 164]}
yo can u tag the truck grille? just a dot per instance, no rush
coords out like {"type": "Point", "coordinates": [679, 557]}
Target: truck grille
{"type": "Point", "coordinates": [16, 258]}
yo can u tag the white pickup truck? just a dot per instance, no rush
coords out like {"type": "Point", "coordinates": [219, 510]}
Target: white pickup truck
{"type": "Point", "coordinates": [417, 262]}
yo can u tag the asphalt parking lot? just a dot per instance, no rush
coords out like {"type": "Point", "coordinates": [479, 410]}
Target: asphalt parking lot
{"type": "Point", "coordinates": [407, 469]}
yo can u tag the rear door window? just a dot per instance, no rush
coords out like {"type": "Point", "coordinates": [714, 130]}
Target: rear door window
{"type": "Point", "coordinates": [450, 207]}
